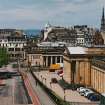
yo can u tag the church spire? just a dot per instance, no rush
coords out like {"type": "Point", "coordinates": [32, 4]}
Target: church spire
{"type": "Point", "coordinates": [103, 21]}
{"type": "Point", "coordinates": [103, 14]}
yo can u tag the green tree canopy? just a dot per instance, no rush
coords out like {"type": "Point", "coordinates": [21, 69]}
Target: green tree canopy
{"type": "Point", "coordinates": [3, 57]}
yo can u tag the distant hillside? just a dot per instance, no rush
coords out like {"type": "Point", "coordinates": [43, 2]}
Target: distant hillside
{"type": "Point", "coordinates": [32, 32]}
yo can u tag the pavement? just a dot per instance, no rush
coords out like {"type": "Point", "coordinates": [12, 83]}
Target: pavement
{"type": "Point", "coordinates": [69, 95]}
{"type": "Point", "coordinates": [43, 97]}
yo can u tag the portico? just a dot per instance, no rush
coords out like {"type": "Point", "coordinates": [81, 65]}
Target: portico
{"type": "Point", "coordinates": [52, 59]}
{"type": "Point", "coordinates": [45, 58]}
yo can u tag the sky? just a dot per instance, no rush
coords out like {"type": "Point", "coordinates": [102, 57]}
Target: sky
{"type": "Point", "coordinates": [34, 14]}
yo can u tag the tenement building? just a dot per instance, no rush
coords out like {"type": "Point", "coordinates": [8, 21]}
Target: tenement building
{"type": "Point", "coordinates": [79, 69]}
{"type": "Point", "coordinates": [16, 47]}
{"type": "Point", "coordinates": [59, 34]}
{"type": "Point", "coordinates": [14, 41]}
{"type": "Point", "coordinates": [7, 32]}
{"type": "Point", "coordinates": [73, 36]}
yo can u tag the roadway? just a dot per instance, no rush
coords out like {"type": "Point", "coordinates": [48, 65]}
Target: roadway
{"type": "Point", "coordinates": [19, 90]}
{"type": "Point", "coordinates": [13, 92]}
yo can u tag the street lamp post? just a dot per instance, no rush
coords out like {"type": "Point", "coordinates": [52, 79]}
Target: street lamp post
{"type": "Point", "coordinates": [64, 94]}
{"type": "Point", "coordinates": [41, 77]}
{"type": "Point", "coordinates": [51, 84]}
{"type": "Point", "coordinates": [45, 80]}
{"type": "Point", "coordinates": [18, 64]}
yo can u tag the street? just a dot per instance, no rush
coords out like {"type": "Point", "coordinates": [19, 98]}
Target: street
{"type": "Point", "coordinates": [13, 91]}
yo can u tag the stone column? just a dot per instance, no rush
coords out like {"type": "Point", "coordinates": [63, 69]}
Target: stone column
{"type": "Point", "coordinates": [67, 71]}
{"type": "Point", "coordinates": [87, 77]}
{"type": "Point", "coordinates": [104, 82]}
{"type": "Point", "coordinates": [99, 81]}
{"type": "Point", "coordinates": [51, 60]}
{"type": "Point", "coordinates": [60, 59]}
{"type": "Point", "coordinates": [77, 78]}
{"type": "Point", "coordinates": [56, 59]}
{"type": "Point", "coordinates": [95, 76]}
{"type": "Point", "coordinates": [43, 61]}
{"type": "Point", "coordinates": [46, 61]}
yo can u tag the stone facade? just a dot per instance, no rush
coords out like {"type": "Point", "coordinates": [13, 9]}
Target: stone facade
{"type": "Point", "coordinates": [78, 68]}
{"type": "Point", "coordinates": [14, 41]}
{"type": "Point", "coordinates": [73, 36]}
{"type": "Point", "coordinates": [75, 70]}
{"type": "Point", "coordinates": [98, 79]}
{"type": "Point", "coordinates": [44, 56]}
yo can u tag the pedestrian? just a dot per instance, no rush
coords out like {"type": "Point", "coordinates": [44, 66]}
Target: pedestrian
{"type": "Point", "coordinates": [36, 82]}
{"type": "Point", "coordinates": [50, 84]}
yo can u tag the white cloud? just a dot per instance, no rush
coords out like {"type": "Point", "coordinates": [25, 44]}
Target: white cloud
{"type": "Point", "coordinates": [64, 12]}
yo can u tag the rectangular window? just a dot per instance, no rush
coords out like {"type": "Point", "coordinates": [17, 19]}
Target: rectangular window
{"type": "Point", "coordinates": [36, 56]}
{"type": "Point", "coordinates": [11, 49]}
{"type": "Point", "coordinates": [17, 49]}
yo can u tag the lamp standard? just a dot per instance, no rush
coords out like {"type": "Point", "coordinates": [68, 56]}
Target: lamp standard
{"type": "Point", "coordinates": [64, 94]}
{"type": "Point", "coordinates": [39, 67]}
{"type": "Point", "coordinates": [45, 81]}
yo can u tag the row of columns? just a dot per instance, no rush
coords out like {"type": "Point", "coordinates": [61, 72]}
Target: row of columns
{"type": "Point", "coordinates": [82, 72]}
{"type": "Point", "coordinates": [78, 71]}
{"type": "Point", "coordinates": [98, 79]}
{"type": "Point", "coordinates": [48, 60]}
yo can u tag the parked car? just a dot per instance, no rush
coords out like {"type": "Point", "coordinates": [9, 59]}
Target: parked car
{"type": "Point", "coordinates": [80, 89]}
{"type": "Point", "coordinates": [95, 97]}
{"type": "Point", "coordinates": [89, 95]}
{"type": "Point", "coordinates": [84, 91]}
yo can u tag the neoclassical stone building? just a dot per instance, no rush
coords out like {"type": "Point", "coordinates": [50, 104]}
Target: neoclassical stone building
{"type": "Point", "coordinates": [44, 56]}
{"type": "Point", "coordinates": [98, 76]}
{"type": "Point", "coordinates": [78, 67]}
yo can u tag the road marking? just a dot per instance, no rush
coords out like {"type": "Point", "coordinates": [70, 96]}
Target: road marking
{"type": "Point", "coordinates": [13, 90]}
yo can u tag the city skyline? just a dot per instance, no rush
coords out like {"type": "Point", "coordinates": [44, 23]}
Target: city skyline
{"type": "Point", "coordinates": [35, 14]}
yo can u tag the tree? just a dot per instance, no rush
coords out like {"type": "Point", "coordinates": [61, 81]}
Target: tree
{"type": "Point", "coordinates": [3, 57]}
